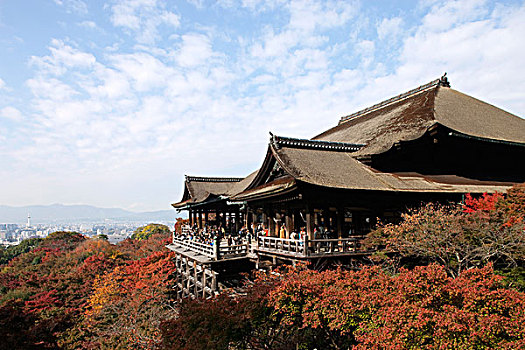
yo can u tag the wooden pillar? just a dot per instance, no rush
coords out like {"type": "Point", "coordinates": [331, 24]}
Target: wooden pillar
{"type": "Point", "coordinates": [199, 219]}
{"type": "Point", "coordinates": [223, 219]}
{"type": "Point", "coordinates": [264, 218]}
{"type": "Point", "coordinates": [289, 223]}
{"type": "Point", "coordinates": [340, 221]}
{"type": "Point", "coordinates": [310, 223]}
{"type": "Point", "coordinates": [205, 218]}
{"type": "Point", "coordinates": [195, 280]}
{"type": "Point", "coordinates": [190, 216]}
{"type": "Point", "coordinates": [271, 224]}
{"type": "Point", "coordinates": [203, 281]}
{"type": "Point", "coordinates": [237, 221]}
{"type": "Point", "coordinates": [188, 280]}
{"type": "Point", "coordinates": [326, 217]}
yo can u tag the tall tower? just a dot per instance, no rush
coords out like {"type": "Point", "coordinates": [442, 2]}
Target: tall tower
{"type": "Point", "coordinates": [28, 220]}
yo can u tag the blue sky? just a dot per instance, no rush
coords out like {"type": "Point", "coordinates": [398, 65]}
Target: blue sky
{"type": "Point", "coordinates": [110, 103]}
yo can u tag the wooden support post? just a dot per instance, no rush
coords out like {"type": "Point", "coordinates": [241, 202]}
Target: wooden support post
{"type": "Point", "coordinates": [271, 225]}
{"type": "Point", "coordinates": [310, 224]}
{"type": "Point", "coordinates": [309, 230]}
{"type": "Point", "coordinates": [205, 218]}
{"type": "Point", "coordinates": [199, 219]}
{"type": "Point", "coordinates": [203, 281]}
{"type": "Point", "coordinates": [264, 218]}
{"type": "Point", "coordinates": [195, 280]}
{"type": "Point", "coordinates": [289, 225]}
{"type": "Point", "coordinates": [213, 283]}
{"type": "Point", "coordinates": [340, 221]}
{"type": "Point", "coordinates": [216, 248]}
{"type": "Point", "coordinates": [188, 281]}
{"type": "Point", "coordinates": [237, 221]}
{"type": "Point", "coordinates": [223, 219]}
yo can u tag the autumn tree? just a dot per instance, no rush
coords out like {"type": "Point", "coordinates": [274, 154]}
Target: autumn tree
{"type": "Point", "coordinates": [460, 236]}
{"type": "Point", "coordinates": [423, 308]}
{"type": "Point", "coordinates": [127, 304]}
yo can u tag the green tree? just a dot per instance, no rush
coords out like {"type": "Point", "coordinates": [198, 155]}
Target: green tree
{"type": "Point", "coordinates": [6, 254]}
{"type": "Point", "coordinates": [145, 232]}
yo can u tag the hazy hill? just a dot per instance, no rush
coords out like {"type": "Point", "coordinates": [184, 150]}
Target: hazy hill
{"type": "Point", "coordinates": [78, 213]}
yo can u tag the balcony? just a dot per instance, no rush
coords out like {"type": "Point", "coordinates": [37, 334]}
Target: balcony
{"type": "Point", "coordinates": [314, 248]}
{"type": "Point", "coordinates": [206, 253]}
{"type": "Point", "coordinates": [288, 248]}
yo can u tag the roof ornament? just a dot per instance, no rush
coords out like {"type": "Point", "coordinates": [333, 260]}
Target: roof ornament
{"type": "Point", "coordinates": [274, 140]}
{"type": "Point", "coordinates": [443, 81]}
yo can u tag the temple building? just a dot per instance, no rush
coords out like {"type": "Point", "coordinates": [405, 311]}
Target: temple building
{"type": "Point", "coordinates": [431, 143]}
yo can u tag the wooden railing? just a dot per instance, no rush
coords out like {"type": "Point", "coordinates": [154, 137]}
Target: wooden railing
{"type": "Point", "coordinates": [197, 247]}
{"type": "Point", "coordinates": [231, 251]}
{"type": "Point", "coordinates": [310, 248]}
{"type": "Point", "coordinates": [216, 251]}
{"type": "Point", "coordinates": [274, 244]}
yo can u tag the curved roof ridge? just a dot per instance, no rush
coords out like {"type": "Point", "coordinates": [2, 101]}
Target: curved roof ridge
{"type": "Point", "coordinates": [212, 179]}
{"type": "Point", "coordinates": [443, 81]}
{"type": "Point", "coordinates": [281, 141]}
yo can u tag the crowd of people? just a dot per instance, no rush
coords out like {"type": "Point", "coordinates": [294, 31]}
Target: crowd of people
{"type": "Point", "coordinates": [210, 234]}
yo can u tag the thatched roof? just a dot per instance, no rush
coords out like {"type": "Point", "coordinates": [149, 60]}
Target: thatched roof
{"type": "Point", "coordinates": [409, 115]}
{"type": "Point", "coordinates": [331, 158]}
{"type": "Point", "coordinates": [198, 189]}
{"type": "Point", "coordinates": [341, 170]}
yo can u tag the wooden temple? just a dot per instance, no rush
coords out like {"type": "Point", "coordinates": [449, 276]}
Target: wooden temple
{"type": "Point", "coordinates": [431, 143]}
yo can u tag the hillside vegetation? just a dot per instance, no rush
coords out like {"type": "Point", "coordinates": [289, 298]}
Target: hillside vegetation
{"type": "Point", "coordinates": [452, 278]}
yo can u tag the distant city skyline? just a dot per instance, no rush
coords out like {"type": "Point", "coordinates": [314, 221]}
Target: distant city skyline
{"type": "Point", "coordinates": [110, 103]}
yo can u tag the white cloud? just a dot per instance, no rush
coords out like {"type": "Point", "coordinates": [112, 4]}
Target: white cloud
{"type": "Point", "coordinates": [481, 55]}
{"type": "Point", "coordinates": [389, 28]}
{"type": "Point", "coordinates": [62, 58]}
{"type": "Point", "coordinates": [144, 70]}
{"type": "Point", "coordinates": [197, 3]}
{"type": "Point", "coordinates": [143, 18]}
{"type": "Point", "coordinates": [42, 87]}
{"type": "Point", "coordinates": [88, 24]}
{"type": "Point", "coordinates": [309, 15]}
{"type": "Point", "coordinates": [444, 15]}
{"type": "Point", "coordinates": [143, 114]}
{"type": "Point", "coordinates": [76, 6]}
{"type": "Point", "coordinates": [2, 84]}
{"type": "Point", "coordinates": [11, 113]}
{"type": "Point", "coordinates": [195, 50]}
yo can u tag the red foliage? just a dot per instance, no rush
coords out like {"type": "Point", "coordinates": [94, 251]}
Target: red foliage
{"type": "Point", "coordinates": [419, 309]}
{"type": "Point", "coordinates": [487, 202]}
{"type": "Point", "coordinates": [51, 285]}
{"type": "Point", "coordinates": [422, 308]}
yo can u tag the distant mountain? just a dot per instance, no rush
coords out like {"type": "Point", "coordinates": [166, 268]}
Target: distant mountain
{"type": "Point", "coordinates": [58, 213]}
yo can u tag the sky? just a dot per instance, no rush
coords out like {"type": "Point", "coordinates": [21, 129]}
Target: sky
{"type": "Point", "coordinates": [110, 103]}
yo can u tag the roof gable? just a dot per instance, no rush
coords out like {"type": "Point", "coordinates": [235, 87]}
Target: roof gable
{"type": "Point", "coordinates": [409, 115]}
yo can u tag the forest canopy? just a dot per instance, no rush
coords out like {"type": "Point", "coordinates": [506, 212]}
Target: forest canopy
{"type": "Point", "coordinates": [447, 277]}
